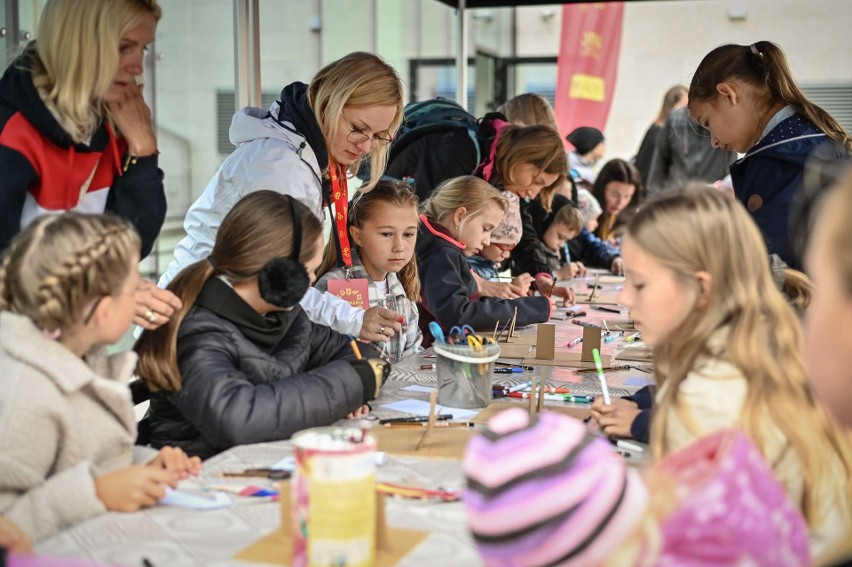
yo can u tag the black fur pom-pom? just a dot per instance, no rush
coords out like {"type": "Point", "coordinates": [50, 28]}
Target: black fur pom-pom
{"type": "Point", "coordinates": [283, 282]}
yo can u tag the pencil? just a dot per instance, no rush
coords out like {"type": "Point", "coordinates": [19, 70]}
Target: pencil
{"type": "Point", "coordinates": [355, 349]}
{"type": "Point", "coordinates": [552, 287]}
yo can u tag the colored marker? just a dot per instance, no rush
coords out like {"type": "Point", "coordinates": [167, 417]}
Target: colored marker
{"type": "Point", "coordinates": [526, 396]}
{"type": "Point", "coordinates": [575, 342]}
{"type": "Point", "coordinates": [512, 370]}
{"type": "Point", "coordinates": [428, 366]}
{"type": "Point", "coordinates": [498, 363]}
{"type": "Point", "coordinates": [520, 387]}
{"type": "Point", "coordinates": [580, 399]}
{"type": "Point", "coordinates": [633, 337]}
{"type": "Point", "coordinates": [612, 336]}
{"type": "Point", "coordinates": [610, 309]}
{"type": "Point", "coordinates": [585, 324]}
{"type": "Point", "coordinates": [630, 446]}
{"type": "Point", "coordinates": [597, 356]}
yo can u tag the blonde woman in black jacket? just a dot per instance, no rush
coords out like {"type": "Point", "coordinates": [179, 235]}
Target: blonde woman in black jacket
{"type": "Point", "coordinates": [242, 363]}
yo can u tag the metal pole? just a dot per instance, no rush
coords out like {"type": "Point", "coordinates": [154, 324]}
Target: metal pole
{"type": "Point", "coordinates": [461, 55]}
{"type": "Point", "coordinates": [246, 53]}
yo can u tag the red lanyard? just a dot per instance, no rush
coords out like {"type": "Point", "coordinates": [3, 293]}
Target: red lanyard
{"type": "Point", "coordinates": [340, 198]}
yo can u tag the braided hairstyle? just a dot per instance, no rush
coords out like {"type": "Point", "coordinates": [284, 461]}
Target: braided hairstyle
{"type": "Point", "coordinates": [59, 264]}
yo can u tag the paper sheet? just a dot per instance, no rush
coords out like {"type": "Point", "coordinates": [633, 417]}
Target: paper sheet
{"type": "Point", "coordinates": [182, 499]}
{"type": "Point", "coordinates": [418, 388]}
{"type": "Point", "coordinates": [420, 407]}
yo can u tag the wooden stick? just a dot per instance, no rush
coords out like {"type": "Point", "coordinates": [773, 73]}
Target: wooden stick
{"type": "Point", "coordinates": [494, 334]}
{"type": "Point", "coordinates": [533, 385]}
{"type": "Point", "coordinates": [433, 398]}
{"type": "Point", "coordinates": [500, 334]}
{"type": "Point", "coordinates": [541, 390]}
{"type": "Point", "coordinates": [382, 540]}
{"type": "Point", "coordinates": [512, 328]}
{"type": "Point", "coordinates": [594, 288]}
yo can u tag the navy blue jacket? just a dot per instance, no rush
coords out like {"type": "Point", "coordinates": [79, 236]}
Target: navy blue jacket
{"type": "Point", "coordinates": [767, 178]}
{"type": "Point", "coordinates": [640, 429]}
{"type": "Point", "coordinates": [449, 294]}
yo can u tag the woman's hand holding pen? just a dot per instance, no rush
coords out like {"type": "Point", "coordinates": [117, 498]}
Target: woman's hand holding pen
{"type": "Point", "coordinates": [615, 419]}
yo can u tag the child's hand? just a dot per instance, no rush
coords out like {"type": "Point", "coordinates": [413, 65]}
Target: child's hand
{"type": "Point", "coordinates": [174, 460]}
{"type": "Point", "coordinates": [380, 325]}
{"type": "Point", "coordinates": [578, 269]}
{"type": "Point", "coordinates": [522, 284]}
{"type": "Point", "coordinates": [566, 293]}
{"type": "Point", "coordinates": [360, 412]}
{"type": "Point", "coordinates": [132, 488]}
{"type": "Point", "coordinates": [617, 267]}
{"type": "Point", "coordinates": [13, 538]}
{"type": "Point", "coordinates": [616, 418]}
{"type": "Point", "coordinates": [154, 305]}
{"type": "Point", "coordinates": [499, 290]}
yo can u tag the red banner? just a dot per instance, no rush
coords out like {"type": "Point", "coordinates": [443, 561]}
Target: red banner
{"type": "Point", "coordinates": [588, 64]}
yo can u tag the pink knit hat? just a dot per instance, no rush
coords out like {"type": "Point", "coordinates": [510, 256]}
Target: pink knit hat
{"type": "Point", "coordinates": [509, 230]}
{"type": "Point", "coordinates": [541, 491]}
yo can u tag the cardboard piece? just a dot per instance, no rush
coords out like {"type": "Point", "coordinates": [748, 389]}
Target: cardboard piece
{"type": "Point", "coordinates": [546, 340]}
{"type": "Point", "coordinates": [569, 359]}
{"type": "Point", "coordinates": [276, 548]}
{"type": "Point", "coordinates": [591, 341]}
{"type": "Point", "coordinates": [496, 407]}
{"type": "Point", "coordinates": [636, 352]}
{"type": "Point", "coordinates": [443, 442]}
{"type": "Point", "coordinates": [626, 325]}
{"type": "Point", "coordinates": [514, 350]}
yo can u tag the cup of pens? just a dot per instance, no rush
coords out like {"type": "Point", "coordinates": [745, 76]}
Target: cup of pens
{"type": "Point", "coordinates": [465, 374]}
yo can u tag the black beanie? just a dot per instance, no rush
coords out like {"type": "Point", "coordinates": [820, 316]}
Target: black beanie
{"type": "Point", "coordinates": [585, 138]}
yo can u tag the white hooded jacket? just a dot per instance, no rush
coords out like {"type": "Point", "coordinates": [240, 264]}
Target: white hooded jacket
{"type": "Point", "coordinates": [268, 156]}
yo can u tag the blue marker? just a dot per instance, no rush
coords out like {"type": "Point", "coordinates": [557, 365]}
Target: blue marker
{"type": "Point", "coordinates": [520, 387]}
{"type": "Point", "coordinates": [437, 333]}
{"type": "Point", "coordinates": [512, 370]}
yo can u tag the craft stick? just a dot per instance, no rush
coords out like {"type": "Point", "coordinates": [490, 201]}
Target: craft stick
{"type": "Point", "coordinates": [594, 288]}
{"type": "Point", "coordinates": [512, 328]}
{"type": "Point", "coordinates": [541, 390]}
{"type": "Point", "coordinates": [433, 398]}
{"type": "Point", "coordinates": [382, 540]}
{"type": "Point", "coordinates": [500, 334]}
{"type": "Point", "coordinates": [533, 386]}
{"type": "Point", "coordinates": [494, 334]}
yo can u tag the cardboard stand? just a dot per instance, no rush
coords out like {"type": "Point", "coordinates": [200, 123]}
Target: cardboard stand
{"type": "Point", "coordinates": [546, 341]}
{"type": "Point", "coordinates": [591, 341]}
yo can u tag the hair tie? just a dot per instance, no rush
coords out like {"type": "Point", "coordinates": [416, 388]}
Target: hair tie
{"type": "Point", "coordinates": [212, 264]}
{"type": "Point", "coordinates": [754, 50]}
{"type": "Point", "coordinates": [52, 335]}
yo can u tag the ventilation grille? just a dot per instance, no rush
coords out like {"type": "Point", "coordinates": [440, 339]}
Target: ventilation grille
{"type": "Point", "coordinates": [224, 114]}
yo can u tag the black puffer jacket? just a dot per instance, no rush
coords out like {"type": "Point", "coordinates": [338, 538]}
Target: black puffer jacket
{"type": "Point", "coordinates": [237, 391]}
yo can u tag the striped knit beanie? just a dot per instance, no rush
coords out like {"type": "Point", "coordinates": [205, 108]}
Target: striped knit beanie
{"type": "Point", "coordinates": [541, 491]}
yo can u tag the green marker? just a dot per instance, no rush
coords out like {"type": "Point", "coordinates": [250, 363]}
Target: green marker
{"type": "Point", "coordinates": [597, 356]}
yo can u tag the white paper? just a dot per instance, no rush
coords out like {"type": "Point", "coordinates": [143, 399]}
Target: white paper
{"type": "Point", "coordinates": [419, 407]}
{"type": "Point", "coordinates": [192, 501]}
{"type": "Point", "coordinates": [418, 388]}
{"type": "Point", "coordinates": [289, 463]}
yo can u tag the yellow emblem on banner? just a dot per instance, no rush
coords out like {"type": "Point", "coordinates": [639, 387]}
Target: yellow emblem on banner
{"type": "Point", "coordinates": [587, 87]}
{"type": "Point", "coordinates": [591, 45]}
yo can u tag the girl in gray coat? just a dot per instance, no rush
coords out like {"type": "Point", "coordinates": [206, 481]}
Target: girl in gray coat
{"type": "Point", "coordinates": [67, 427]}
{"type": "Point", "coordinates": [241, 362]}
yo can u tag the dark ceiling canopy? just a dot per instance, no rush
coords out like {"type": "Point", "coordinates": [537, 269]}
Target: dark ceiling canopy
{"type": "Point", "coordinates": [510, 3]}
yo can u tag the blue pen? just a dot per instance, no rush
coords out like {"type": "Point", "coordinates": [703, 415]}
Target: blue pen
{"type": "Point", "coordinates": [437, 333]}
{"type": "Point", "coordinates": [512, 370]}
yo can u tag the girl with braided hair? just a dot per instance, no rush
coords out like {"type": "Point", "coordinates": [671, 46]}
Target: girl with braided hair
{"type": "Point", "coordinates": [67, 427]}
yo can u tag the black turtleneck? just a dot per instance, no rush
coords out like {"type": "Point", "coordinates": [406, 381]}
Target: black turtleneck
{"type": "Point", "coordinates": [266, 331]}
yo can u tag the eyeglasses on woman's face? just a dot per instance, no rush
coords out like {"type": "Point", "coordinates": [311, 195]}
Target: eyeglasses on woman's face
{"type": "Point", "coordinates": [358, 137]}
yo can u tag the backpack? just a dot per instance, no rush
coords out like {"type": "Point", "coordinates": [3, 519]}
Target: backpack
{"type": "Point", "coordinates": [435, 115]}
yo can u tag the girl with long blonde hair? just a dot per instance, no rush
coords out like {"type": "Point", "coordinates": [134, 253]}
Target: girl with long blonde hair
{"type": "Point", "coordinates": [728, 349]}
{"type": "Point", "coordinates": [305, 145]}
